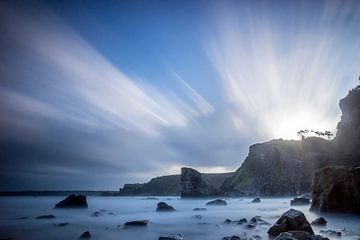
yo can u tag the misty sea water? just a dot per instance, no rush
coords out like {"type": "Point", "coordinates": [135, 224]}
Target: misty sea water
{"type": "Point", "coordinates": [18, 218]}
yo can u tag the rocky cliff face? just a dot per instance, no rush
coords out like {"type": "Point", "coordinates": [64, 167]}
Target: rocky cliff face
{"type": "Point", "coordinates": [278, 168]}
{"type": "Point", "coordinates": [336, 189]}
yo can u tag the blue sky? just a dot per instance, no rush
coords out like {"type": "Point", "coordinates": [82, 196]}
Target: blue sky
{"type": "Point", "coordinates": [98, 94]}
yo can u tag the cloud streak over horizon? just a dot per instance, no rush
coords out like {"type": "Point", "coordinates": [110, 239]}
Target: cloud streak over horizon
{"type": "Point", "coordinates": [73, 119]}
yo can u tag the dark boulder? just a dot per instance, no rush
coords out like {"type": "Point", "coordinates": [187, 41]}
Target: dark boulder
{"type": "Point", "coordinates": [199, 209]}
{"type": "Point", "coordinates": [73, 201]}
{"type": "Point", "coordinates": [164, 207]}
{"type": "Point", "coordinates": [46, 217]}
{"type": "Point", "coordinates": [336, 189]}
{"type": "Point", "coordinates": [139, 223]}
{"type": "Point", "coordinates": [258, 221]}
{"type": "Point", "coordinates": [227, 221]}
{"type": "Point", "coordinates": [217, 202]}
{"type": "Point", "coordinates": [85, 235]}
{"type": "Point", "coordinates": [256, 200]}
{"type": "Point", "coordinates": [291, 220]}
{"type": "Point", "coordinates": [300, 201]}
{"type": "Point", "coordinates": [63, 224]}
{"type": "Point", "coordinates": [242, 221]}
{"type": "Point", "coordinates": [319, 222]}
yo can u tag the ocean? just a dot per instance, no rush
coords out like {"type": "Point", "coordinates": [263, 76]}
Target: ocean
{"type": "Point", "coordinates": [18, 218]}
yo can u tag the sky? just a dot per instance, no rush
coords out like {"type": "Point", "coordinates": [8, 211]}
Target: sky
{"type": "Point", "coordinates": [96, 94]}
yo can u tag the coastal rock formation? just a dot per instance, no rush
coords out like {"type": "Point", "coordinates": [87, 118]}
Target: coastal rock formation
{"type": "Point", "coordinates": [299, 235]}
{"type": "Point", "coordinates": [256, 200]}
{"type": "Point", "coordinates": [291, 220]}
{"type": "Point", "coordinates": [170, 185]}
{"type": "Point", "coordinates": [192, 184]}
{"type": "Point", "coordinates": [138, 223]}
{"type": "Point", "coordinates": [73, 201]}
{"type": "Point", "coordinates": [319, 222]}
{"type": "Point", "coordinates": [337, 189]}
{"type": "Point", "coordinates": [164, 207]}
{"type": "Point", "coordinates": [46, 217]}
{"type": "Point", "coordinates": [85, 235]}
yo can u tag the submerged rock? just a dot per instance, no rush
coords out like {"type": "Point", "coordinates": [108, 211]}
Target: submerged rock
{"type": "Point", "coordinates": [227, 221]}
{"type": "Point", "coordinates": [164, 207]}
{"type": "Point", "coordinates": [138, 223]}
{"type": "Point", "coordinates": [257, 220]}
{"type": "Point", "coordinates": [242, 221]}
{"type": "Point", "coordinates": [176, 237]}
{"type": "Point", "coordinates": [256, 200]}
{"type": "Point", "coordinates": [199, 209]}
{"type": "Point", "coordinates": [291, 220]}
{"type": "Point", "coordinates": [50, 216]}
{"type": "Point", "coordinates": [336, 189]}
{"type": "Point", "coordinates": [217, 202]}
{"type": "Point", "coordinates": [62, 224]}
{"type": "Point", "coordinates": [319, 222]}
{"type": "Point", "coordinates": [73, 201]}
{"type": "Point", "coordinates": [300, 201]}
{"type": "Point", "coordinates": [85, 235]}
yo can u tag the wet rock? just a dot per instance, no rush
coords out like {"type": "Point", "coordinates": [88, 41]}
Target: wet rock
{"type": "Point", "coordinates": [300, 201]}
{"type": "Point", "coordinates": [291, 220]}
{"type": "Point", "coordinates": [319, 222]}
{"type": "Point", "coordinates": [73, 201]}
{"type": "Point", "coordinates": [256, 200]}
{"type": "Point", "coordinates": [198, 216]}
{"type": "Point", "coordinates": [298, 235]}
{"type": "Point", "coordinates": [227, 221]}
{"type": "Point", "coordinates": [96, 214]}
{"type": "Point", "coordinates": [235, 237]}
{"type": "Point", "coordinates": [336, 189]}
{"type": "Point", "coordinates": [138, 223]}
{"type": "Point", "coordinates": [257, 220]}
{"type": "Point", "coordinates": [242, 221]}
{"type": "Point", "coordinates": [62, 224]}
{"type": "Point", "coordinates": [85, 235]}
{"type": "Point", "coordinates": [251, 225]}
{"type": "Point", "coordinates": [176, 237]}
{"type": "Point", "coordinates": [331, 233]}
{"type": "Point", "coordinates": [199, 209]}
{"type": "Point", "coordinates": [46, 217]}
{"type": "Point", "coordinates": [217, 202]}
{"type": "Point", "coordinates": [164, 207]}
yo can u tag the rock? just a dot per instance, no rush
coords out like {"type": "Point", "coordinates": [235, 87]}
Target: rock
{"type": "Point", "coordinates": [199, 209]}
{"type": "Point", "coordinates": [257, 220]}
{"type": "Point", "coordinates": [300, 201]}
{"type": "Point", "coordinates": [46, 217]}
{"type": "Point", "coordinates": [331, 233]}
{"type": "Point", "coordinates": [242, 221]}
{"type": "Point", "coordinates": [192, 184]}
{"type": "Point", "coordinates": [298, 235]}
{"type": "Point", "coordinates": [217, 202]}
{"type": "Point", "coordinates": [227, 221]}
{"type": "Point", "coordinates": [235, 237]}
{"type": "Point", "coordinates": [139, 223]}
{"type": "Point", "coordinates": [256, 200]}
{"type": "Point", "coordinates": [164, 207]}
{"type": "Point", "coordinates": [176, 237]}
{"type": "Point", "coordinates": [251, 225]}
{"type": "Point", "coordinates": [85, 235]}
{"type": "Point", "coordinates": [62, 224]}
{"type": "Point", "coordinates": [73, 201]}
{"type": "Point", "coordinates": [319, 222]}
{"type": "Point", "coordinates": [291, 220]}
{"type": "Point", "coordinates": [198, 216]}
{"type": "Point", "coordinates": [96, 214]}
{"type": "Point", "coordinates": [336, 189]}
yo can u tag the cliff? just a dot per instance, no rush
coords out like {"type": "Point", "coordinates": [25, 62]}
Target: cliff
{"type": "Point", "coordinates": [280, 168]}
